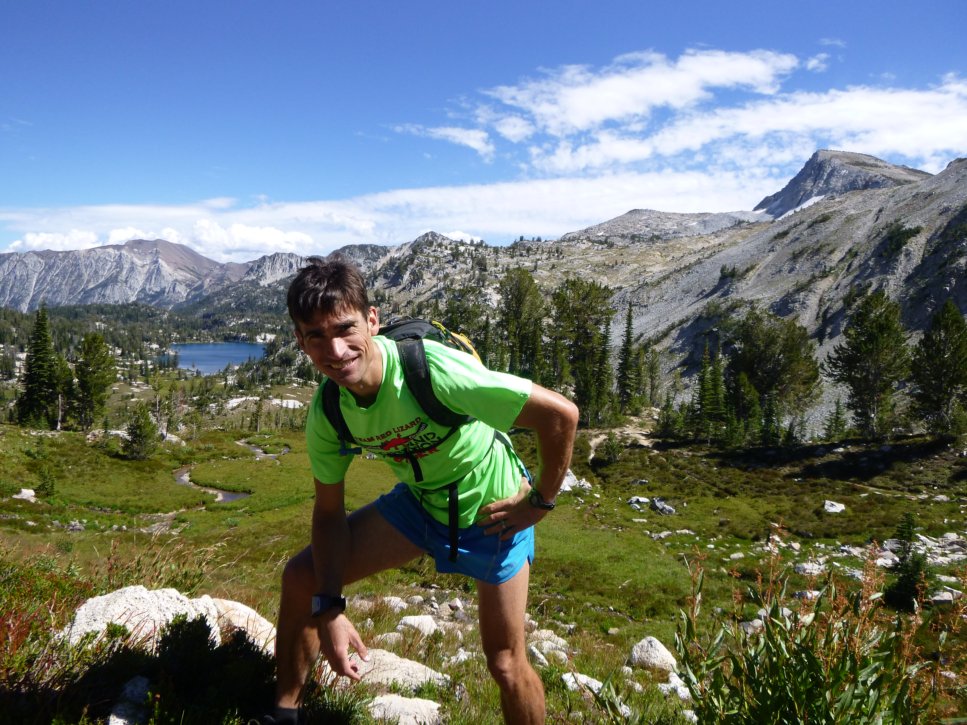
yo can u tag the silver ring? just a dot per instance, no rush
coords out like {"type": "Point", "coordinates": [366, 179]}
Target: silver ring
{"type": "Point", "coordinates": [503, 525]}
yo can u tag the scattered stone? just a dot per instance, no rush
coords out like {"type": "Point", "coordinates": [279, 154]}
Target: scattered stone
{"type": "Point", "coordinates": [753, 626]}
{"type": "Point", "coordinates": [131, 707]}
{"type": "Point", "coordinates": [736, 556]}
{"type": "Point", "coordinates": [832, 507]}
{"type": "Point", "coordinates": [388, 639]}
{"type": "Point", "coordinates": [659, 505]}
{"type": "Point", "coordinates": [575, 682]}
{"type": "Point", "coordinates": [460, 657]}
{"type": "Point", "coordinates": [676, 687]}
{"type": "Point", "coordinates": [26, 494]}
{"type": "Point", "coordinates": [946, 595]}
{"type": "Point", "coordinates": [638, 500]}
{"type": "Point", "coordinates": [810, 568]}
{"type": "Point", "coordinates": [573, 483]}
{"type": "Point", "coordinates": [422, 623]}
{"type": "Point", "coordinates": [395, 603]}
{"type": "Point", "coordinates": [807, 594]}
{"type": "Point", "coordinates": [405, 710]}
{"type": "Point", "coordinates": [651, 654]}
{"type": "Point", "coordinates": [386, 668]}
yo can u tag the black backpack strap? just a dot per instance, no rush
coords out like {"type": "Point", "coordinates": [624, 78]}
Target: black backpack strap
{"type": "Point", "coordinates": [330, 406]}
{"type": "Point", "coordinates": [416, 373]}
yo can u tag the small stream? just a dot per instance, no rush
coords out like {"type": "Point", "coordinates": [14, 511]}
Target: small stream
{"type": "Point", "coordinates": [183, 475]}
{"type": "Point", "coordinates": [183, 478]}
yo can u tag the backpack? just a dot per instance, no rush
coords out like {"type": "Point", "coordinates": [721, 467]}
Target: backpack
{"type": "Point", "coordinates": [409, 333]}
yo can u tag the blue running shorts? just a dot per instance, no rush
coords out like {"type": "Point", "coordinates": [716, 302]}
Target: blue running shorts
{"type": "Point", "coordinates": [482, 557]}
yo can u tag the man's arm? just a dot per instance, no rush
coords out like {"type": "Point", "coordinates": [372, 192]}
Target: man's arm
{"type": "Point", "coordinates": [330, 549]}
{"type": "Point", "coordinates": [554, 419]}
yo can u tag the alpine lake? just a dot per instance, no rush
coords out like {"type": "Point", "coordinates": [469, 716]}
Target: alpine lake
{"type": "Point", "coordinates": [209, 358]}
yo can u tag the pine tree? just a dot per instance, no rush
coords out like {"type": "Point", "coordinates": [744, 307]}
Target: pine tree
{"type": "Point", "coordinates": [629, 368]}
{"type": "Point", "coordinates": [582, 318]}
{"type": "Point", "coordinates": [910, 570]}
{"type": "Point", "coordinates": [939, 372]}
{"type": "Point", "coordinates": [521, 318]}
{"type": "Point", "coordinates": [37, 404]}
{"type": "Point", "coordinates": [142, 433]}
{"type": "Point", "coordinates": [835, 428]}
{"type": "Point", "coordinates": [95, 370]}
{"type": "Point", "coordinates": [771, 433]}
{"type": "Point", "coordinates": [651, 384]}
{"type": "Point", "coordinates": [778, 359]}
{"type": "Point", "coordinates": [870, 362]}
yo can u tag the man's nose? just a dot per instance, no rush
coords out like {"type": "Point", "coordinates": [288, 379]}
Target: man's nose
{"type": "Point", "coordinates": [337, 348]}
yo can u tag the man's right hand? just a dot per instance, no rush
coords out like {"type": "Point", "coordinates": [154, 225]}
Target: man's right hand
{"type": "Point", "coordinates": [336, 635]}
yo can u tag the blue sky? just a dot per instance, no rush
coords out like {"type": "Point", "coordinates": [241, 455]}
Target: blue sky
{"type": "Point", "coordinates": [244, 128]}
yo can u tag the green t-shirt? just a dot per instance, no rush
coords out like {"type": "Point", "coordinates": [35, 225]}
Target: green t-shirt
{"type": "Point", "coordinates": [395, 423]}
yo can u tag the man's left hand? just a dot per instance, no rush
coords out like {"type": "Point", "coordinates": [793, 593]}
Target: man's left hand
{"type": "Point", "coordinates": [510, 515]}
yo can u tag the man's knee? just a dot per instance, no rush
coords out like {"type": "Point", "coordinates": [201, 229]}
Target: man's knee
{"type": "Point", "coordinates": [509, 667]}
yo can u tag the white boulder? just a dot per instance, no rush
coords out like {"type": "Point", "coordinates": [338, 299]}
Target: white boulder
{"type": "Point", "coordinates": [144, 612]}
{"type": "Point", "coordinates": [405, 710]}
{"type": "Point", "coordinates": [653, 655]}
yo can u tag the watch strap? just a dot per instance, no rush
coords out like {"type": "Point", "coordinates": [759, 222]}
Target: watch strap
{"type": "Point", "coordinates": [322, 603]}
{"type": "Point", "coordinates": [535, 499]}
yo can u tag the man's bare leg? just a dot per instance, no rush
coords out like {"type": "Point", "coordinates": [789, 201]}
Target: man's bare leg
{"type": "Point", "coordinates": [376, 546]}
{"type": "Point", "coordinates": [502, 610]}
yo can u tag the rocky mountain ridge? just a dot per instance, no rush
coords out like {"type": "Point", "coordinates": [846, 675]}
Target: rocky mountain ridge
{"type": "Point", "coordinates": [876, 225]}
{"type": "Point", "coordinates": [831, 173]}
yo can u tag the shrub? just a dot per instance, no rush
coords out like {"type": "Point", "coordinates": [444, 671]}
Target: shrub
{"type": "Point", "coordinates": [836, 660]}
{"type": "Point", "coordinates": [910, 570]}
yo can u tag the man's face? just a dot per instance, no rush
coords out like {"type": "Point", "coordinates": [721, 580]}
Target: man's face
{"type": "Point", "coordinates": [341, 347]}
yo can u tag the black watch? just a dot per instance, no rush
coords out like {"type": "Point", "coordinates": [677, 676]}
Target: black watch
{"type": "Point", "coordinates": [537, 501]}
{"type": "Point", "coordinates": [322, 603]}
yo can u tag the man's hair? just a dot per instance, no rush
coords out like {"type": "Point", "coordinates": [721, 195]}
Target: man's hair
{"type": "Point", "coordinates": [327, 286]}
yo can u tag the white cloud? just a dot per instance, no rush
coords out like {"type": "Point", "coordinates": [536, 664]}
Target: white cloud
{"type": "Point", "coordinates": [574, 98]}
{"type": "Point", "coordinates": [120, 236]}
{"type": "Point", "coordinates": [476, 139]}
{"type": "Point", "coordinates": [818, 63]}
{"type": "Point", "coordinates": [57, 241]}
{"type": "Point", "coordinates": [514, 128]}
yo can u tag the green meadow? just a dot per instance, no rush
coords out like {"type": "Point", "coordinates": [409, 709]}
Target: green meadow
{"type": "Point", "coordinates": [606, 575]}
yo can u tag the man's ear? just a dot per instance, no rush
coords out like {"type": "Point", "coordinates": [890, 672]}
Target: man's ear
{"type": "Point", "coordinates": [373, 320]}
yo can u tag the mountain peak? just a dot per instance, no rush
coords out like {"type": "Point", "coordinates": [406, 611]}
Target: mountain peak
{"type": "Point", "coordinates": [830, 173]}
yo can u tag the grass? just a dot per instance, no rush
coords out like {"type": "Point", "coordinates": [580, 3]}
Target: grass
{"type": "Point", "coordinates": [604, 572]}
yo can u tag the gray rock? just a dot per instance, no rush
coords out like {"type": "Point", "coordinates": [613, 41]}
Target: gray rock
{"type": "Point", "coordinates": [651, 654]}
{"type": "Point", "coordinates": [425, 624]}
{"type": "Point", "coordinates": [405, 710]}
{"type": "Point", "coordinates": [659, 505]}
{"type": "Point", "coordinates": [144, 612]}
{"type": "Point", "coordinates": [386, 668]}
{"type": "Point", "coordinates": [131, 707]}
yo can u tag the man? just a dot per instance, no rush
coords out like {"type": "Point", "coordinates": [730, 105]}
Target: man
{"type": "Point", "coordinates": [495, 506]}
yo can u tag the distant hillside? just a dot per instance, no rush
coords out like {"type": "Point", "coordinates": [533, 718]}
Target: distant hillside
{"type": "Point", "coordinates": [846, 223]}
